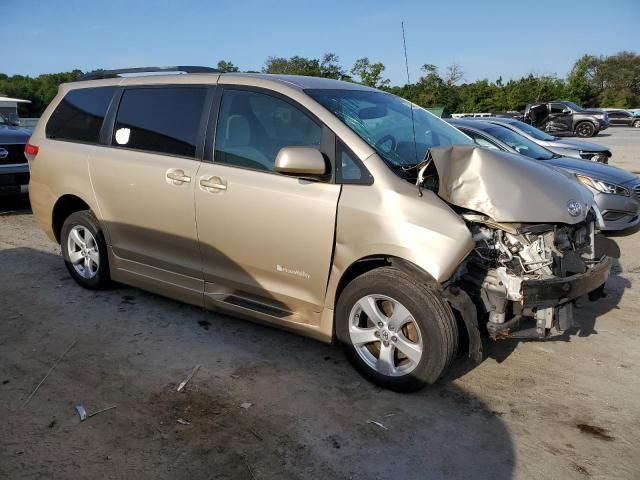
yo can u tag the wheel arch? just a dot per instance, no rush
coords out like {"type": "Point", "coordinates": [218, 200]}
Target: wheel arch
{"type": "Point", "coordinates": [65, 206]}
{"type": "Point", "coordinates": [469, 338]}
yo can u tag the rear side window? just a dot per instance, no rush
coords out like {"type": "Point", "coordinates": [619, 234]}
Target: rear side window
{"type": "Point", "coordinates": [78, 117]}
{"type": "Point", "coordinates": [160, 120]}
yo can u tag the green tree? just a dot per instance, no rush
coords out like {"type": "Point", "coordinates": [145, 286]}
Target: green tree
{"type": "Point", "coordinates": [370, 74]}
{"type": "Point", "coordinates": [227, 67]}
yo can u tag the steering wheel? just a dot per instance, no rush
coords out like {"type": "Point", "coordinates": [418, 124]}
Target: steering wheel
{"type": "Point", "coordinates": [386, 139]}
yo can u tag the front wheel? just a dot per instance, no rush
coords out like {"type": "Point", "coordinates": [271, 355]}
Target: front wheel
{"type": "Point", "coordinates": [397, 332]}
{"type": "Point", "coordinates": [636, 124]}
{"type": "Point", "coordinates": [85, 251]}
{"type": "Point", "coordinates": [585, 129]}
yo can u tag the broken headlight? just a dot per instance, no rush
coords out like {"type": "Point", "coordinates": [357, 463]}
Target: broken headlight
{"type": "Point", "coordinates": [604, 187]}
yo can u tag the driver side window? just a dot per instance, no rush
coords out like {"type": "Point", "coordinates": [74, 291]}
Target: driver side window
{"type": "Point", "coordinates": [253, 127]}
{"type": "Point", "coordinates": [557, 108]}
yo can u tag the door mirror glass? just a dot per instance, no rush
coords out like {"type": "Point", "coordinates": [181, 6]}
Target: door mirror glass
{"type": "Point", "coordinates": [303, 161]}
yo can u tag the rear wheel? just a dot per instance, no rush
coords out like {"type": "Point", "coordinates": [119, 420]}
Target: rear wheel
{"type": "Point", "coordinates": [397, 332]}
{"type": "Point", "coordinates": [585, 129]}
{"type": "Point", "coordinates": [85, 251]}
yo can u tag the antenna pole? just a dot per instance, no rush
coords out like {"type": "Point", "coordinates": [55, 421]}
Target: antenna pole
{"type": "Point", "coordinates": [406, 62]}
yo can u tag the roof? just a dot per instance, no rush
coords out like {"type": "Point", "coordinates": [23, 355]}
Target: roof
{"type": "Point", "coordinates": [298, 82]}
{"type": "Point", "coordinates": [17, 100]}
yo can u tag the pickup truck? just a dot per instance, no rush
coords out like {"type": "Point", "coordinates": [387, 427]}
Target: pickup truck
{"type": "Point", "coordinates": [566, 118]}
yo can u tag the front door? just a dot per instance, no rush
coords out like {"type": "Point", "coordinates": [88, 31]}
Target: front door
{"type": "Point", "coordinates": [560, 119]}
{"type": "Point", "coordinates": [265, 238]}
{"type": "Point", "coordinates": [144, 183]}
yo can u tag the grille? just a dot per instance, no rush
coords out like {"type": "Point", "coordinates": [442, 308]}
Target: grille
{"type": "Point", "coordinates": [636, 190]}
{"type": "Point", "coordinates": [15, 156]}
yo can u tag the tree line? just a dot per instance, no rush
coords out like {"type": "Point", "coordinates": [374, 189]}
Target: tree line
{"type": "Point", "coordinates": [594, 81]}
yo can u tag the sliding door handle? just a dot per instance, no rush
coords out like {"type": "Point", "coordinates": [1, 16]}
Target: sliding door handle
{"type": "Point", "coordinates": [213, 183]}
{"type": "Point", "coordinates": [177, 176]}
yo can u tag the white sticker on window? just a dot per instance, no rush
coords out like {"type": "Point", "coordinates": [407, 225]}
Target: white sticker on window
{"type": "Point", "coordinates": [122, 136]}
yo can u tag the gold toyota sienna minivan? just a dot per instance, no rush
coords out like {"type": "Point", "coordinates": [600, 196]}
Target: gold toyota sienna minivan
{"type": "Point", "coordinates": [323, 207]}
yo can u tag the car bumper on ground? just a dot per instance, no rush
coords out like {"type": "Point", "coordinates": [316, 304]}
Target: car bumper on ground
{"type": "Point", "coordinates": [14, 179]}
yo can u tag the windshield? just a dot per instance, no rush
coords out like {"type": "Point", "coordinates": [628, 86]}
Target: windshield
{"type": "Point", "coordinates": [399, 131]}
{"type": "Point", "coordinates": [532, 131]}
{"type": "Point", "coordinates": [521, 144]}
{"type": "Point", "coordinates": [575, 107]}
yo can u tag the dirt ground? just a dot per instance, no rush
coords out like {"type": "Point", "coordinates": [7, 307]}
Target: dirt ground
{"type": "Point", "coordinates": [567, 408]}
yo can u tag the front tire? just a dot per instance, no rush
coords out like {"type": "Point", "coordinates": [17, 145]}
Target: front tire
{"type": "Point", "coordinates": [636, 124]}
{"type": "Point", "coordinates": [585, 129]}
{"type": "Point", "coordinates": [397, 332]}
{"type": "Point", "coordinates": [85, 251]}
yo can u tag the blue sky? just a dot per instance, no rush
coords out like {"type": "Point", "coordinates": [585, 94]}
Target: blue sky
{"type": "Point", "coordinates": [489, 38]}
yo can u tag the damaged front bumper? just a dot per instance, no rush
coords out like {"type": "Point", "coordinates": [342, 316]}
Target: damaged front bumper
{"type": "Point", "coordinates": [556, 291]}
{"type": "Point", "coordinates": [548, 303]}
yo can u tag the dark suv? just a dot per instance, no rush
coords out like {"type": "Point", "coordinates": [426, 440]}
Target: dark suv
{"type": "Point", "coordinates": [622, 117]}
{"type": "Point", "coordinates": [566, 118]}
{"type": "Point", "coordinates": [14, 170]}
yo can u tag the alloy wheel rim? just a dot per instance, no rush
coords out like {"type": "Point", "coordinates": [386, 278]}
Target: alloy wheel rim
{"type": "Point", "coordinates": [83, 252]}
{"type": "Point", "coordinates": [584, 130]}
{"type": "Point", "coordinates": [385, 335]}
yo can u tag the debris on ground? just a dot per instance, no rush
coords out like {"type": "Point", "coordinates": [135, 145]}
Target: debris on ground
{"type": "Point", "coordinates": [246, 405]}
{"type": "Point", "coordinates": [82, 412]}
{"type": "Point", "coordinates": [48, 373]}
{"type": "Point", "coordinates": [246, 462]}
{"type": "Point", "coordinates": [182, 421]}
{"type": "Point", "coordinates": [186, 380]}
{"type": "Point", "coordinates": [596, 432]}
{"type": "Point", "coordinates": [255, 434]}
{"type": "Point", "coordinates": [377, 424]}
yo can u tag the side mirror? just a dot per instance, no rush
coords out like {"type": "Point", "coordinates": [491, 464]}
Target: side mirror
{"type": "Point", "coordinates": [13, 119]}
{"type": "Point", "coordinates": [566, 111]}
{"type": "Point", "coordinates": [302, 161]}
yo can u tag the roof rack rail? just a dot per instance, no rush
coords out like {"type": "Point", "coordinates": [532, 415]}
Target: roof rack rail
{"type": "Point", "coordinates": [99, 74]}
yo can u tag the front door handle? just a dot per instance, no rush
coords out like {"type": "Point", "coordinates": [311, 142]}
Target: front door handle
{"type": "Point", "coordinates": [177, 176]}
{"type": "Point", "coordinates": [214, 183]}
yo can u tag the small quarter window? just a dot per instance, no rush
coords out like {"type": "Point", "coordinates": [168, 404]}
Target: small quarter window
{"type": "Point", "coordinates": [78, 117]}
{"type": "Point", "coordinates": [350, 169]}
{"type": "Point", "coordinates": [161, 120]}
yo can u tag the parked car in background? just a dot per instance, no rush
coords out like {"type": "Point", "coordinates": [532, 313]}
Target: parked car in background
{"type": "Point", "coordinates": [14, 170]}
{"type": "Point", "coordinates": [566, 118]}
{"type": "Point", "coordinates": [310, 204]}
{"type": "Point", "coordinates": [567, 147]}
{"type": "Point", "coordinates": [622, 117]}
{"type": "Point", "coordinates": [616, 191]}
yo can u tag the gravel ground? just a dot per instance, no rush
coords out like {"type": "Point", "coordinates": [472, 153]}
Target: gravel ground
{"type": "Point", "coordinates": [565, 408]}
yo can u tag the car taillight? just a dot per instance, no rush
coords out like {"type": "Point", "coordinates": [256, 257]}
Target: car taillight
{"type": "Point", "coordinates": [30, 149]}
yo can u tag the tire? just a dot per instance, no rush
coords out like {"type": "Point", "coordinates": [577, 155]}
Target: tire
{"type": "Point", "coordinates": [85, 251]}
{"type": "Point", "coordinates": [585, 129]}
{"type": "Point", "coordinates": [429, 332]}
{"type": "Point", "coordinates": [636, 124]}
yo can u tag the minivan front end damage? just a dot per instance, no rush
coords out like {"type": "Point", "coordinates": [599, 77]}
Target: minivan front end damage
{"type": "Point", "coordinates": [520, 272]}
{"type": "Point", "coordinates": [534, 231]}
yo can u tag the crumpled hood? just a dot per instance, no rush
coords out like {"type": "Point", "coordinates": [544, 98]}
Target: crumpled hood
{"type": "Point", "coordinates": [578, 145]}
{"type": "Point", "coordinates": [9, 134]}
{"type": "Point", "coordinates": [601, 171]}
{"type": "Point", "coordinates": [507, 187]}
